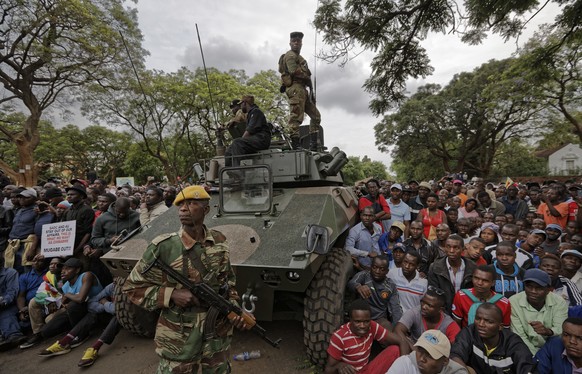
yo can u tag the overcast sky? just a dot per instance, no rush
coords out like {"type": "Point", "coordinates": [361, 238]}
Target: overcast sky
{"type": "Point", "coordinates": [251, 35]}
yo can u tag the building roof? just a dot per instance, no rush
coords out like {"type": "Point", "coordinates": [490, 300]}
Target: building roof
{"type": "Point", "coordinates": [545, 153]}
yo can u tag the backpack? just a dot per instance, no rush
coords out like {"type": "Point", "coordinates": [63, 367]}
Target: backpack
{"type": "Point", "coordinates": [476, 302]}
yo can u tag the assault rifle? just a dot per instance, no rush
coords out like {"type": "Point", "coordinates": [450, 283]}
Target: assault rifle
{"type": "Point", "coordinates": [218, 304]}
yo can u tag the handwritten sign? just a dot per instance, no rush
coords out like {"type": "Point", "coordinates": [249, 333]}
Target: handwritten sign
{"type": "Point", "coordinates": [58, 239]}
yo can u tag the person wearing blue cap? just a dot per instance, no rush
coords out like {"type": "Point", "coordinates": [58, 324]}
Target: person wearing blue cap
{"type": "Point", "coordinates": [552, 242]}
{"type": "Point", "coordinates": [537, 313]}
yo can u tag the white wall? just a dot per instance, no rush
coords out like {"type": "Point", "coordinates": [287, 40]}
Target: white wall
{"type": "Point", "coordinates": [569, 155]}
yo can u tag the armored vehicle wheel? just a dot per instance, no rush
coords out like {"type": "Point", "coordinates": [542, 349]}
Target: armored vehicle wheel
{"type": "Point", "coordinates": [324, 304]}
{"type": "Point", "coordinates": [133, 318]}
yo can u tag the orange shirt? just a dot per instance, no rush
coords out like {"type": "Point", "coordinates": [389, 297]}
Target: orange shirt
{"type": "Point", "coordinates": [562, 208]}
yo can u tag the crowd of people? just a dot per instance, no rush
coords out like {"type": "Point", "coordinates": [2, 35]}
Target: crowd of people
{"type": "Point", "coordinates": [42, 297]}
{"type": "Point", "coordinates": [461, 276]}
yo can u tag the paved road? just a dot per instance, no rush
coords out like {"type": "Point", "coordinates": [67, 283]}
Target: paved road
{"type": "Point", "coordinates": [133, 355]}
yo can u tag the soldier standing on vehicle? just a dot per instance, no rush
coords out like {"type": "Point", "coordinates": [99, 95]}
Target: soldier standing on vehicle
{"type": "Point", "coordinates": [296, 77]}
{"type": "Point", "coordinates": [182, 334]}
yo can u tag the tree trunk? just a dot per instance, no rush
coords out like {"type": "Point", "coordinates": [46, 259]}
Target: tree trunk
{"type": "Point", "coordinates": [26, 142]}
{"type": "Point", "coordinates": [168, 170]}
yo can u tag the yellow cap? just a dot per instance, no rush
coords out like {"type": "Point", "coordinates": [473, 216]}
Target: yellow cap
{"type": "Point", "coordinates": [192, 193]}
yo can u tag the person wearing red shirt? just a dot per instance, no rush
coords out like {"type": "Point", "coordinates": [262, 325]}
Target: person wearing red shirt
{"type": "Point", "coordinates": [375, 199]}
{"type": "Point", "coordinates": [474, 251]}
{"type": "Point", "coordinates": [350, 346]}
{"type": "Point", "coordinates": [483, 280]}
{"type": "Point", "coordinates": [554, 208]}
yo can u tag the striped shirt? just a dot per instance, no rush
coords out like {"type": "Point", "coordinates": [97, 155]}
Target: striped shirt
{"type": "Point", "coordinates": [410, 292]}
{"type": "Point", "coordinates": [354, 350]}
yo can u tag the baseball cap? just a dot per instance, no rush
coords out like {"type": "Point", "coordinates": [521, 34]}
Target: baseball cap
{"type": "Point", "coordinates": [539, 232]}
{"type": "Point", "coordinates": [435, 343]}
{"type": "Point", "coordinates": [398, 224]}
{"type": "Point", "coordinates": [73, 263]}
{"type": "Point", "coordinates": [424, 185]}
{"type": "Point", "coordinates": [571, 252]}
{"type": "Point", "coordinates": [398, 186]}
{"type": "Point", "coordinates": [457, 181]}
{"type": "Point", "coordinates": [82, 181]}
{"type": "Point", "coordinates": [538, 276]}
{"type": "Point", "coordinates": [29, 192]}
{"type": "Point", "coordinates": [399, 246]}
{"type": "Point", "coordinates": [555, 226]}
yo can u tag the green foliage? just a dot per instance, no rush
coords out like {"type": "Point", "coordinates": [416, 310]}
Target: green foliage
{"type": "Point", "coordinates": [50, 50]}
{"type": "Point", "coordinates": [173, 114]}
{"type": "Point", "coordinates": [514, 158]}
{"type": "Point", "coordinates": [393, 31]}
{"type": "Point", "coordinates": [72, 151]}
{"type": "Point", "coordinates": [140, 165]}
{"type": "Point", "coordinates": [357, 169]}
{"type": "Point", "coordinates": [555, 74]}
{"type": "Point", "coordinates": [459, 127]}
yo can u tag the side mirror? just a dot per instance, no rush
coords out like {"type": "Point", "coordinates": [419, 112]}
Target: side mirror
{"type": "Point", "coordinates": [317, 239]}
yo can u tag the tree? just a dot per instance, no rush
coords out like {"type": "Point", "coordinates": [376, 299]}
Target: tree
{"type": "Point", "coordinates": [555, 75]}
{"type": "Point", "coordinates": [462, 125]}
{"type": "Point", "coordinates": [50, 50]}
{"type": "Point", "coordinates": [393, 31]}
{"type": "Point", "coordinates": [71, 151]}
{"type": "Point", "coordinates": [172, 114]}
{"type": "Point", "coordinates": [515, 158]}
{"type": "Point", "coordinates": [357, 169]}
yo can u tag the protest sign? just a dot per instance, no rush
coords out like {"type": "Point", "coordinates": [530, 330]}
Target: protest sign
{"type": "Point", "coordinates": [58, 239]}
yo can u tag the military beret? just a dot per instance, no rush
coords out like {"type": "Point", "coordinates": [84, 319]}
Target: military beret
{"type": "Point", "coordinates": [296, 35]}
{"type": "Point", "coordinates": [191, 193]}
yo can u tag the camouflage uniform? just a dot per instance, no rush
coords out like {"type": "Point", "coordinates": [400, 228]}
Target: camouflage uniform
{"type": "Point", "coordinates": [180, 340]}
{"type": "Point", "coordinates": [299, 101]}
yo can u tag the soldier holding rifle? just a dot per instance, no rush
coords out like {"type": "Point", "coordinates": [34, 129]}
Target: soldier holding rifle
{"type": "Point", "coordinates": [184, 341]}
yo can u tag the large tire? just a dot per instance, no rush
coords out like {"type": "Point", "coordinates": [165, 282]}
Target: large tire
{"type": "Point", "coordinates": [131, 317]}
{"type": "Point", "coordinates": [324, 304]}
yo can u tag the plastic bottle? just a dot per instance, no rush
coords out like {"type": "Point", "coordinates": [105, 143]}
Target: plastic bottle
{"type": "Point", "coordinates": [245, 356]}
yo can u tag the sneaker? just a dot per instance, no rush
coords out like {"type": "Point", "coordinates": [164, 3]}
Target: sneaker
{"type": "Point", "coordinates": [55, 350]}
{"type": "Point", "coordinates": [78, 341]}
{"type": "Point", "coordinates": [89, 357]}
{"type": "Point", "coordinates": [11, 342]}
{"type": "Point", "coordinates": [32, 341]}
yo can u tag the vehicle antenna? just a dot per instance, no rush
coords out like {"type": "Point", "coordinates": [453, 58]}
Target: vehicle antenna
{"type": "Point", "coordinates": [219, 140]}
{"type": "Point", "coordinates": [151, 106]}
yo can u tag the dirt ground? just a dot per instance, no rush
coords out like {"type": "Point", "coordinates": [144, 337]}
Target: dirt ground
{"type": "Point", "coordinates": [134, 355]}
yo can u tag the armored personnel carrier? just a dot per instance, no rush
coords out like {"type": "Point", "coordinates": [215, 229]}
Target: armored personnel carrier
{"type": "Point", "coordinates": [286, 215]}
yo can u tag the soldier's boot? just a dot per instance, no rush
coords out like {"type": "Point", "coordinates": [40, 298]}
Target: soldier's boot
{"type": "Point", "coordinates": [295, 142]}
{"type": "Point", "coordinates": [313, 146]}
